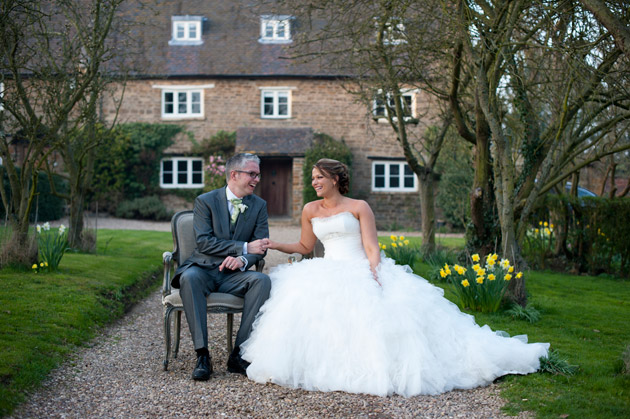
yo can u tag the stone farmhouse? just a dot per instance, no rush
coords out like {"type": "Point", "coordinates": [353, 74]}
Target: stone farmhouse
{"type": "Point", "coordinates": [213, 65]}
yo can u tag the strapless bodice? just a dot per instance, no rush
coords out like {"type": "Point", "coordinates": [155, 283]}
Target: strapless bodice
{"type": "Point", "coordinates": [341, 236]}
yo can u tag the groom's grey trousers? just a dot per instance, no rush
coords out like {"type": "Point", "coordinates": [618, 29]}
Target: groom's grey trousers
{"type": "Point", "coordinates": [197, 283]}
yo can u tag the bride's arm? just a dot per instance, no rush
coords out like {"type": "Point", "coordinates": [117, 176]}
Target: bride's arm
{"type": "Point", "coordinates": [369, 236]}
{"type": "Point", "coordinates": [307, 238]}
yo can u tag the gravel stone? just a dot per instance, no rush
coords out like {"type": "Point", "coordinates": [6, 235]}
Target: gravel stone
{"type": "Point", "coordinates": [119, 375]}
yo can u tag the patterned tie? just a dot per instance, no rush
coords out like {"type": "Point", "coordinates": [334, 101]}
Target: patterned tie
{"type": "Point", "coordinates": [236, 202]}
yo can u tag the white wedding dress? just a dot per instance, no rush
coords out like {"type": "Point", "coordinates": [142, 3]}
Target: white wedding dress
{"type": "Point", "coordinates": [329, 326]}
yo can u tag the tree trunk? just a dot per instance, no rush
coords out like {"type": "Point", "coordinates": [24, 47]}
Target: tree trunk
{"type": "Point", "coordinates": [427, 209]}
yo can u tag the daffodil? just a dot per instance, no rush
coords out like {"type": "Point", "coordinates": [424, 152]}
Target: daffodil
{"type": "Point", "coordinates": [394, 245]}
{"type": "Point", "coordinates": [491, 277]}
{"type": "Point", "coordinates": [490, 262]}
{"type": "Point", "coordinates": [34, 266]}
{"type": "Point", "coordinates": [384, 246]}
{"type": "Point", "coordinates": [442, 273]}
{"type": "Point", "coordinates": [393, 238]}
{"type": "Point", "coordinates": [480, 279]}
{"type": "Point", "coordinates": [465, 283]}
{"type": "Point", "coordinates": [401, 238]}
{"type": "Point", "coordinates": [511, 269]}
{"type": "Point", "coordinates": [519, 275]}
{"type": "Point", "coordinates": [481, 272]}
{"type": "Point", "coordinates": [507, 277]}
{"type": "Point", "coordinates": [476, 267]}
{"type": "Point", "coordinates": [546, 224]}
{"type": "Point", "coordinates": [406, 242]}
{"type": "Point", "coordinates": [39, 228]}
{"type": "Point", "coordinates": [505, 263]}
{"type": "Point", "coordinates": [401, 244]}
{"type": "Point", "coordinates": [475, 257]}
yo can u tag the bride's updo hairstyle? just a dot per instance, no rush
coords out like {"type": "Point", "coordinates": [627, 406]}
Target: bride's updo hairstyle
{"type": "Point", "coordinates": [335, 169]}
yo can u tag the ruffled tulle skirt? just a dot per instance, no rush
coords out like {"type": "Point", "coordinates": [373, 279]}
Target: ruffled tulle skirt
{"type": "Point", "coordinates": [329, 326]}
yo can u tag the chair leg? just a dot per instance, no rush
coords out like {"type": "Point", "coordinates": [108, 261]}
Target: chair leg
{"type": "Point", "coordinates": [230, 322]}
{"type": "Point", "coordinates": [167, 336]}
{"type": "Point", "coordinates": [178, 329]}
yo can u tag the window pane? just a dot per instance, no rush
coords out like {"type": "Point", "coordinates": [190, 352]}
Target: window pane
{"type": "Point", "coordinates": [168, 102]}
{"type": "Point", "coordinates": [167, 172]}
{"type": "Point", "coordinates": [407, 100]}
{"type": "Point", "coordinates": [192, 31]}
{"type": "Point", "coordinates": [182, 172]}
{"type": "Point", "coordinates": [408, 182]}
{"type": "Point", "coordinates": [181, 103]}
{"type": "Point", "coordinates": [394, 176]}
{"type": "Point", "coordinates": [180, 31]}
{"type": "Point", "coordinates": [283, 104]}
{"type": "Point", "coordinates": [268, 104]}
{"type": "Point", "coordinates": [196, 165]}
{"type": "Point", "coordinates": [281, 30]}
{"type": "Point", "coordinates": [379, 107]}
{"type": "Point", "coordinates": [379, 175]}
{"type": "Point", "coordinates": [268, 30]}
{"type": "Point", "coordinates": [196, 102]}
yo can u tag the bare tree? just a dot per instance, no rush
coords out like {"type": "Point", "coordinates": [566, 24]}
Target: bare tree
{"type": "Point", "coordinates": [53, 56]}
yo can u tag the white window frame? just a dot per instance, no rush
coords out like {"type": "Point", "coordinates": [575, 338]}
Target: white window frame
{"type": "Point", "coordinates": [188, 23]}
{"type": "Point", "coordinates": [274, 23]}
{"type": "Point", "coordinates": [388, 164]}
{"type": "Point", "coordinates": [411, 93]}
{"type": "Point", "coordinates": [275, 93]}
{"type": "Point", "coordinates": [189, 91]}
{"type": "Point", "coordinates": [189, 173]}
{"type": "Point", "coordinates": [1, 97]}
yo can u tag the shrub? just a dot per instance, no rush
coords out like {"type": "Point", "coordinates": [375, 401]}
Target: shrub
{"type": "Point", "coordinates": [480, 288]}
{"type": "Point", "coordinates": [46, 206]}
{"type": "Point", "coordinates": [221, 144]}
{"type": "Point", "coordinates": [215, 173]}
{"type": "Point", "coordinates": [324, 146]}
{"type": "Point", "coordinates": [400, 250]}
{"type": "Point", "coordinates": [147, 208]}
{"type": "Point", "coordinates": [51, 246]}
{"type": "Point", "coordinates": [539, 243]}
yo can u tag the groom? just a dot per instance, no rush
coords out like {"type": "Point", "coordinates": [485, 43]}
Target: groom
{"type": "Point", "coordinates": [229, 224]}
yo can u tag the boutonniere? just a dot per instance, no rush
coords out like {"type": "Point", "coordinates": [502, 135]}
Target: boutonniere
{"type": "Point", "coordinates": [241, 207]}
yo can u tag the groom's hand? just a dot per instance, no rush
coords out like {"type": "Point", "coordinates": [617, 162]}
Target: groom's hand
{"type": "Point", "coordinates": [231, 263]}
{"type": "Point", "coordinates": [256, 247]}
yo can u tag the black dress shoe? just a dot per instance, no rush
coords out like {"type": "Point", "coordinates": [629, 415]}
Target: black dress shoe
{"type": "Point", "coordinates": [236, 364]}
{"type": "Point", "coordinates": [203, 369]}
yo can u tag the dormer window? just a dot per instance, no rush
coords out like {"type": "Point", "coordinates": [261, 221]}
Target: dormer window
{"type": "Point", "coordinates": [186, 30]}
{"type": "Point", "coordinates": [275, 29]}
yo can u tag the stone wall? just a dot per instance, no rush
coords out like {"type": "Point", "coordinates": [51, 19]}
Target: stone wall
{"type": "Point", "coordinates": [321, 104]}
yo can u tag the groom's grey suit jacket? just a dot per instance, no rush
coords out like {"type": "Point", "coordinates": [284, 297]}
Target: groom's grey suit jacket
{"type": "Point", "coordinates": [215, 240]}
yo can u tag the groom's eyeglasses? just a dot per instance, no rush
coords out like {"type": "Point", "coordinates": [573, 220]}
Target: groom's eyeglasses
{"type": "Point", "coordinates": [253, 175]}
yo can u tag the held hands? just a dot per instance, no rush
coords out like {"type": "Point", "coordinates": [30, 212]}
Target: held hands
{"type": "Point", "coordinates": [257, 247]}
{"type": "Point", "coordinates": [269, 244]}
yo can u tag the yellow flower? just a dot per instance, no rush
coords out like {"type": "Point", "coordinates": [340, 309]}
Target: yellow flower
{"type": "Point", "coordinates": [393, 238]}
{"type": "Point", "coordinates": [465, 283]}
{"type": "Point", "coordinates": [475, 257]}
{"type": "Point", "coordinates": [41, 264]}
{"type": "Point", "coordinates": [384, 246]}
{"type": "Point", "coordinates": [491, 277]}
{"type": "Point", "coordinates": [34, 266]}
{"type": "Point", "coordinates": [505, 263]}
{"type": "Point", "coordinates": [540, 223]}
{"type": "Point", "coordinates": [547, 232]}
{"type": "Point", "coordinates": [401, 238]}
{"type": "Point", "coordinates": [394, 245]}
{"type": "Point", "coordinates": [546, 224]}
{"type": "Point", "coordinates": [401, 244]}
{"type": "Point", "coordinates": [461, 270]}
{"type": "Point", "coordinates": [536, 231]}
{"type": "Point", "coordinates": [480, 279]}
{"type": "Point", "coordinates": [495, 257]}
{"type": "Point", "coordinates": [507, 277]}
{"type": "Point", "coordinates": [490, 262]}
{"type": "Point", "coordinates": [519, 275]}
{"type": "Point", "coordinates": [476, 267]}
{"type": "Point", "coordinates": [406, 242]}
{"type": "Point", "coordinates": [442, 273]}
{"type": "Point", "coordinates": [481, 272]}
{"type": "Point", "coordinates": [45, 263]}
{"type": "Point", "coordinates": [511, 269]}
{"type": "Point", "coordinates": [551, 226]}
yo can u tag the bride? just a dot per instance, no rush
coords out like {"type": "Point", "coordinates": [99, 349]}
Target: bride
{"type": "Point", "coordinates": [355, 321]}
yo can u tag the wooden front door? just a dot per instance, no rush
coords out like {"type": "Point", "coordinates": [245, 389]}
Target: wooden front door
{"type": "Point", "coordinates": [275, 185]}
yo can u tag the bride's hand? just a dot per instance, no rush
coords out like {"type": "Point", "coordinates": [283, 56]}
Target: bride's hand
{"type": "Point", "coordinates": [269, 244]}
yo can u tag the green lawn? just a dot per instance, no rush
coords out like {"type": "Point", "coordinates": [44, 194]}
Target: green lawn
{"type": "Point", "coordinates": [44, 317]}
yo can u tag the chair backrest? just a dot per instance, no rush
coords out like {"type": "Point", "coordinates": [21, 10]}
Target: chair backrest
{"type": "Point", "coordinates": [184, 241]}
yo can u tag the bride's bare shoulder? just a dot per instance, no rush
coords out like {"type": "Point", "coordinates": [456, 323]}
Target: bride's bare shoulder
{"type": "Point", "coordinates": [359, 207]}
{"type": "Point", "coordinates": [311, 209]}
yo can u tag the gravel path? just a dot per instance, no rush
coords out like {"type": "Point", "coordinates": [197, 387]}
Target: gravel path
{"type": "Point", "coordinates": [119, 375]}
